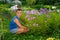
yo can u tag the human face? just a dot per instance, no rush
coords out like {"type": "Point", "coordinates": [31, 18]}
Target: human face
{"type": "Point", "coordinates": [19, 13]}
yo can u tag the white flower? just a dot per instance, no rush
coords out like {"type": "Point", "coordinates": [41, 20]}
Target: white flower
{"type": "Point", "coordinates": [14, 7]}
{"type": "Point", "coordinates": [53, 7]}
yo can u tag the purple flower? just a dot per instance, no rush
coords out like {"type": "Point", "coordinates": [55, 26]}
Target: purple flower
{"type": "Point", "coordinates": [33, 11]}
{"type": "Point", "coordinates": [28, 12]}
{"type": "Point", "coordinates": [29, 19]}
{"type": "Point", "coordinates": [43, 10]}
{"type": "Point", "coordinates": [27, 16]}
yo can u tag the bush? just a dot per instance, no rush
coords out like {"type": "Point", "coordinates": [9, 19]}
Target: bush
{"type": "Point", "coordinates": [6, 12]}
{"type": "Point", "coordinates": [42, 6]}
{"type": "Point", "coordinates": [37, 6]}
{"type": "Point", "coordinates": [48, 6]}
{"type": "Point", "coordinates": [43, 24]}
{"type": "Point", "coordinates": [58, 7]}
{"type": "Point", "coordinates": [57, 3]}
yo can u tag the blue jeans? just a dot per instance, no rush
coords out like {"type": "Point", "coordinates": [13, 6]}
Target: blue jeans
{"type": "Point", "coordinates": [14, 30]}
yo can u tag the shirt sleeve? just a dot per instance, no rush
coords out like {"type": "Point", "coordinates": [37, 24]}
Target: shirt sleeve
{"type": "Point", "coordinates": [15, 17]}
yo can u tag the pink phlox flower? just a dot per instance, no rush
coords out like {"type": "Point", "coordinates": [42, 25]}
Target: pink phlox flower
{"type": "Point", "coordinates": [27, 16]}
{"type": "Point", "coordinates": [28, 12]}
{"type": "Point", "coordinates": [29, 19]}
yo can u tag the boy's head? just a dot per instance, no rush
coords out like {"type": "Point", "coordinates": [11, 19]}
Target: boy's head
{"type": "Point", "coordinates": [19, 12]}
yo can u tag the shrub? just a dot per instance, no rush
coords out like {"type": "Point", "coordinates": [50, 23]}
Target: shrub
{"type": "Point", "coordinates": [38, 6]}
{"type": "Point", "coordinates": [6, 12]}
{"type": "Point", "coordinates": [58, 7]}
{"type": "Point", "coordinates": [41, 23]}
{"type": "Point", "coordinates": [48, 6]}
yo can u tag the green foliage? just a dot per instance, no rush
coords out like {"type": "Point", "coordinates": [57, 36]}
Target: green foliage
{"type": "Point", "coordinates": [58, 7]}
{"type": "Point", "coordinates": [48, 6]}
{"type": "Point", "coordinates": [48, 2]}
{"type": "Point", "coordinates": [47, 26]}
{"type": "Point", "coordinates": [42, 6]}
{"type": "Point", "coordinates": [30, 2]}
{"type": "Point", "coordinates": [38, 6]}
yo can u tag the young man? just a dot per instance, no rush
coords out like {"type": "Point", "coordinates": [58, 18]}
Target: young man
{"type": "Point", "coordinates": [15, 25]}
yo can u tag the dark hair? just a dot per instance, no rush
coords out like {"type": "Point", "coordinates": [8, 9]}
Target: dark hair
{"type": "Point", "coordinates": [18, 10]}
